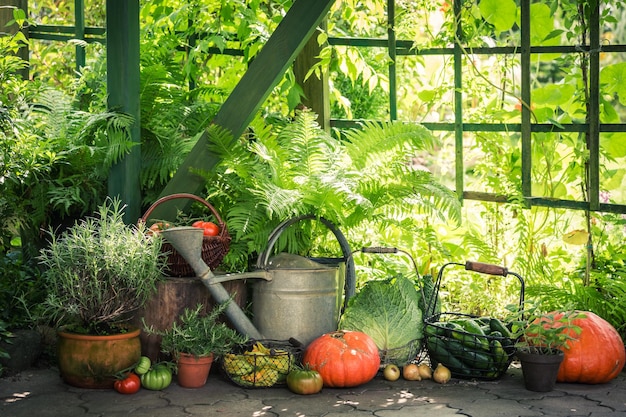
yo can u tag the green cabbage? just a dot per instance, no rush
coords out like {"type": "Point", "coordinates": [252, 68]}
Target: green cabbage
{"type": "Point", "coordinates": [388, 311]}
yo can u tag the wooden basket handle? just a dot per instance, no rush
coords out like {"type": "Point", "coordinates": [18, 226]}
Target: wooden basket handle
{"type": "Point", "coordinates": [161, 200]}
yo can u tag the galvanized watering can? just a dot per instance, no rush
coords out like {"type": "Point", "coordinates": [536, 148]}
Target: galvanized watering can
{"type": "Point", "coordinates": [297, 297]}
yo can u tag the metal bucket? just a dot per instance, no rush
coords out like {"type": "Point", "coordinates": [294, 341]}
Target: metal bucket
{"type": "Point", "coordinates": [305, 296]}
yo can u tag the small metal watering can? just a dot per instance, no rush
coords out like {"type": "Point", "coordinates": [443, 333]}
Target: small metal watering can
{"type": "Point", "coordinates": [297, 297]}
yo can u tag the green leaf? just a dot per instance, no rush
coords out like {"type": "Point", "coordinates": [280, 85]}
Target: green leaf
{"type": "Point", "coordinates": [553, 94]}
{"type": "Point", "coordinates": [614, 145]}
{"type": "Point", "coordinates": [613, 77]}
{"type": "Point", "coordinates": [500, 13]}
{"type": "Point", "coordinates": [542, 25]}
{"type": "Point", "coordinates": [616, 177]}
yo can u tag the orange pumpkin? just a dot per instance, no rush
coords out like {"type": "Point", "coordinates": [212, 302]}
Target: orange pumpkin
{"type": "Point", "coordinates": [343, 358]}
{"type": "Point", "coordinates": [596, 355]}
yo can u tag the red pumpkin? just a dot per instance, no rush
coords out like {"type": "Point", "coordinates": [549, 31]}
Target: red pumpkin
{"type": "Point", "coordinates": [343, 358]}
{"type": "Point", "coordinates": [596, 356]}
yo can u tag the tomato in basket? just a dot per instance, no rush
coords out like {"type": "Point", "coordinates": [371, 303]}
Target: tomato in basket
{"type": "Point", "coordinates": [209, 228]}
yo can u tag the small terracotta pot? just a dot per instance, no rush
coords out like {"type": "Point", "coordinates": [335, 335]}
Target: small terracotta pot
{"type": "Point", "coordinates": [193, 371]}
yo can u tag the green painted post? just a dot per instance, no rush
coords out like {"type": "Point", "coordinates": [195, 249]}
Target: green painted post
{"type": "Point", "coordinates": [391, 47]}
{"type": "Point", "coordinates": [458, 102]}
{"type": "Point", "coordinates": [123, 90]}
{"type": "Point", "coordinates": [254, 87]}
{"type": "Point", "coordinates": [316, 95]}
{"type": "Point", "coordinates": [79, 28]}
{"type": "Point", "coordinates": [526, 100]}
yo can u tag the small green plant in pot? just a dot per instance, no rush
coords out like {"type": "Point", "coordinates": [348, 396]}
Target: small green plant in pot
{"type": "Point", "coordinates": [97, 273]}
{"type": "Point", "coordinates": [541, 338]}
{"type": "Point", "coordinates": [195, 340]}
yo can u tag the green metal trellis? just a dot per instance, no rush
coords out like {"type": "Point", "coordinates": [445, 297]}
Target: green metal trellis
{"type": "Point", "coordinates": [398, 48]}
{"type": "Point", "coordinates": [593, 127]}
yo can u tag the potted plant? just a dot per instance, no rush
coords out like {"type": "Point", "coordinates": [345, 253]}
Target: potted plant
{"type": "Point", "coordinates": [541, 338]}
{"type": "Point", "coordinates": [195, 340]}
{"type": "Point", "coordinates": [97, 273]}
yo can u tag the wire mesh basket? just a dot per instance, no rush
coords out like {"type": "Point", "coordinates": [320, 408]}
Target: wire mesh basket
{"type": "Point", "coordinates": [471, 347]}
{"type": "Point", "coordinates": [468, 354]}
{"type": "Point", "coordinates": [261, 363]}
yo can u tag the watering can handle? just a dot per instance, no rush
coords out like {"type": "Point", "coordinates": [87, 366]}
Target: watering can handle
{"type": "Point", "coordinates": [350, 284]}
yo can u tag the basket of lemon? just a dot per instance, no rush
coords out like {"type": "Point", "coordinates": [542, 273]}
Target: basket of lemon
{"type": "Point", "coordinates": [261, 363]}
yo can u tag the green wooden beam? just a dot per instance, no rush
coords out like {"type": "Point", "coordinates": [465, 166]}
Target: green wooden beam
{"type": "Point", "coordinates": [391, 48]}
{"type": "Point", "coordinates": [123, 95]}
{"type": "Point", "coordinates": [526, 100]}
{"type": "Point", "coordinates": [254, 87]}
{"type": "Point", "coordinates": [315, 89]}
{"type": "Point", "coordinates": [459, 164]}
{"type": "Point", "coordinates": [79, 24]}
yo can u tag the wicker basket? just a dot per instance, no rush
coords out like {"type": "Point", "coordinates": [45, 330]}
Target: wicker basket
{"type": "Point", "coordinates": [214, 248]}
{"type": "Point", "coordinates": [263, 367]}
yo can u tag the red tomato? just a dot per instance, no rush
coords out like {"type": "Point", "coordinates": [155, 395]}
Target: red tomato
{"type": "Point", "coordinates": [209, 228]}
{"type": "Point", "coordinates": [128, 385]}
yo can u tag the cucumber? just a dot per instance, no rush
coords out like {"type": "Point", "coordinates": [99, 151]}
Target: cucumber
{"type": "Point", "coordinates": [455, 347]}
{"type": "Point", "coordinates": [497, 326]}
{"type": "Point", "coordinates": [468, 332]}
{"type": "Point", "coordinates": [435, 329]}
{"type": "Point", "coordinates": [437, 348]}
{"type": "Point", "coordinates": [477, 360]}
{"type": "Point", "coordinates": [471, 325]}
{"type": "Point", "coordinates": [499, 353]}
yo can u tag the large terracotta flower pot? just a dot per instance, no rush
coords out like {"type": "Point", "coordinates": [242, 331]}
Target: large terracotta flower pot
{"type": "Point", "coordinates": [89, 361]}
{"type": "Point", "coordinates": [193, 371]}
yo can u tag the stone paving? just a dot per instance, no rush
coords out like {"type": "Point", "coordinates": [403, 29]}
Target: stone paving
{"type": "Point", "coordinates": [41, 393]}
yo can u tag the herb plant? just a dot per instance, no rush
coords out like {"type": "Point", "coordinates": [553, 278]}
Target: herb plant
{"type": "Point", "coordinates": [199, 335]}
{"type": "Point", "coordinates": [544, 332]}
{"type": "Point", "coordinates": [100, 270]}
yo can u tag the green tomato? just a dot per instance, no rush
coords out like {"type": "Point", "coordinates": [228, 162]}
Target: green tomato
{"type": "Point", "coordinates": [305, 381]}
{"type": "Point", "coordinates": [157, 378]}
{"type": "Point", "coordinates": [143, 365]}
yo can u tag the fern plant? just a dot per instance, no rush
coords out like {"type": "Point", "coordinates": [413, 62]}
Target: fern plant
{"type": "Point", "coordinates": [287, 170]}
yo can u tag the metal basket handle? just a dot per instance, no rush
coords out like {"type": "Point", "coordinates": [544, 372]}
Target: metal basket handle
{"type": "Point", "coordinates": [480, 267]}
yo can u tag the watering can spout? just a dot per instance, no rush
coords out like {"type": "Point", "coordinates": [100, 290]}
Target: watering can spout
{"type": "Point", "coordinates": [188, 242]}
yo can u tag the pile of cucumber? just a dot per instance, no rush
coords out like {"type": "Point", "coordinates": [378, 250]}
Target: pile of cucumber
{"type": "Point", "coordinates": [471, 347]}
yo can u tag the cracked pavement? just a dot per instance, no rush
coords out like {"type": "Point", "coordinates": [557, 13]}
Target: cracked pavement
{"type": "Point", "coordinates": [41, 392]}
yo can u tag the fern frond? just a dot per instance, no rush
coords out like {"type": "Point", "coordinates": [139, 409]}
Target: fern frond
{"type": "Point", "coordinates": [379, 143]}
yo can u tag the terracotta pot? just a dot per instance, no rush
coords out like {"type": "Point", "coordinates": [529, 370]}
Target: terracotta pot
{"type": "Point", "coordinates": [88, 361]}
{"type": "Point", "coordinates": [540, 371]}
{"type": "Point", "coordinates": [193, 371]}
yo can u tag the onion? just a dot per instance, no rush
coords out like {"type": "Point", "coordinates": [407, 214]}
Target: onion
{"type": "Point", "coordinates": [442, 374]}
{"type": "Point", "coordinates": [411, 372]}
{"type": "Point", "coordinates": [425, 371]}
